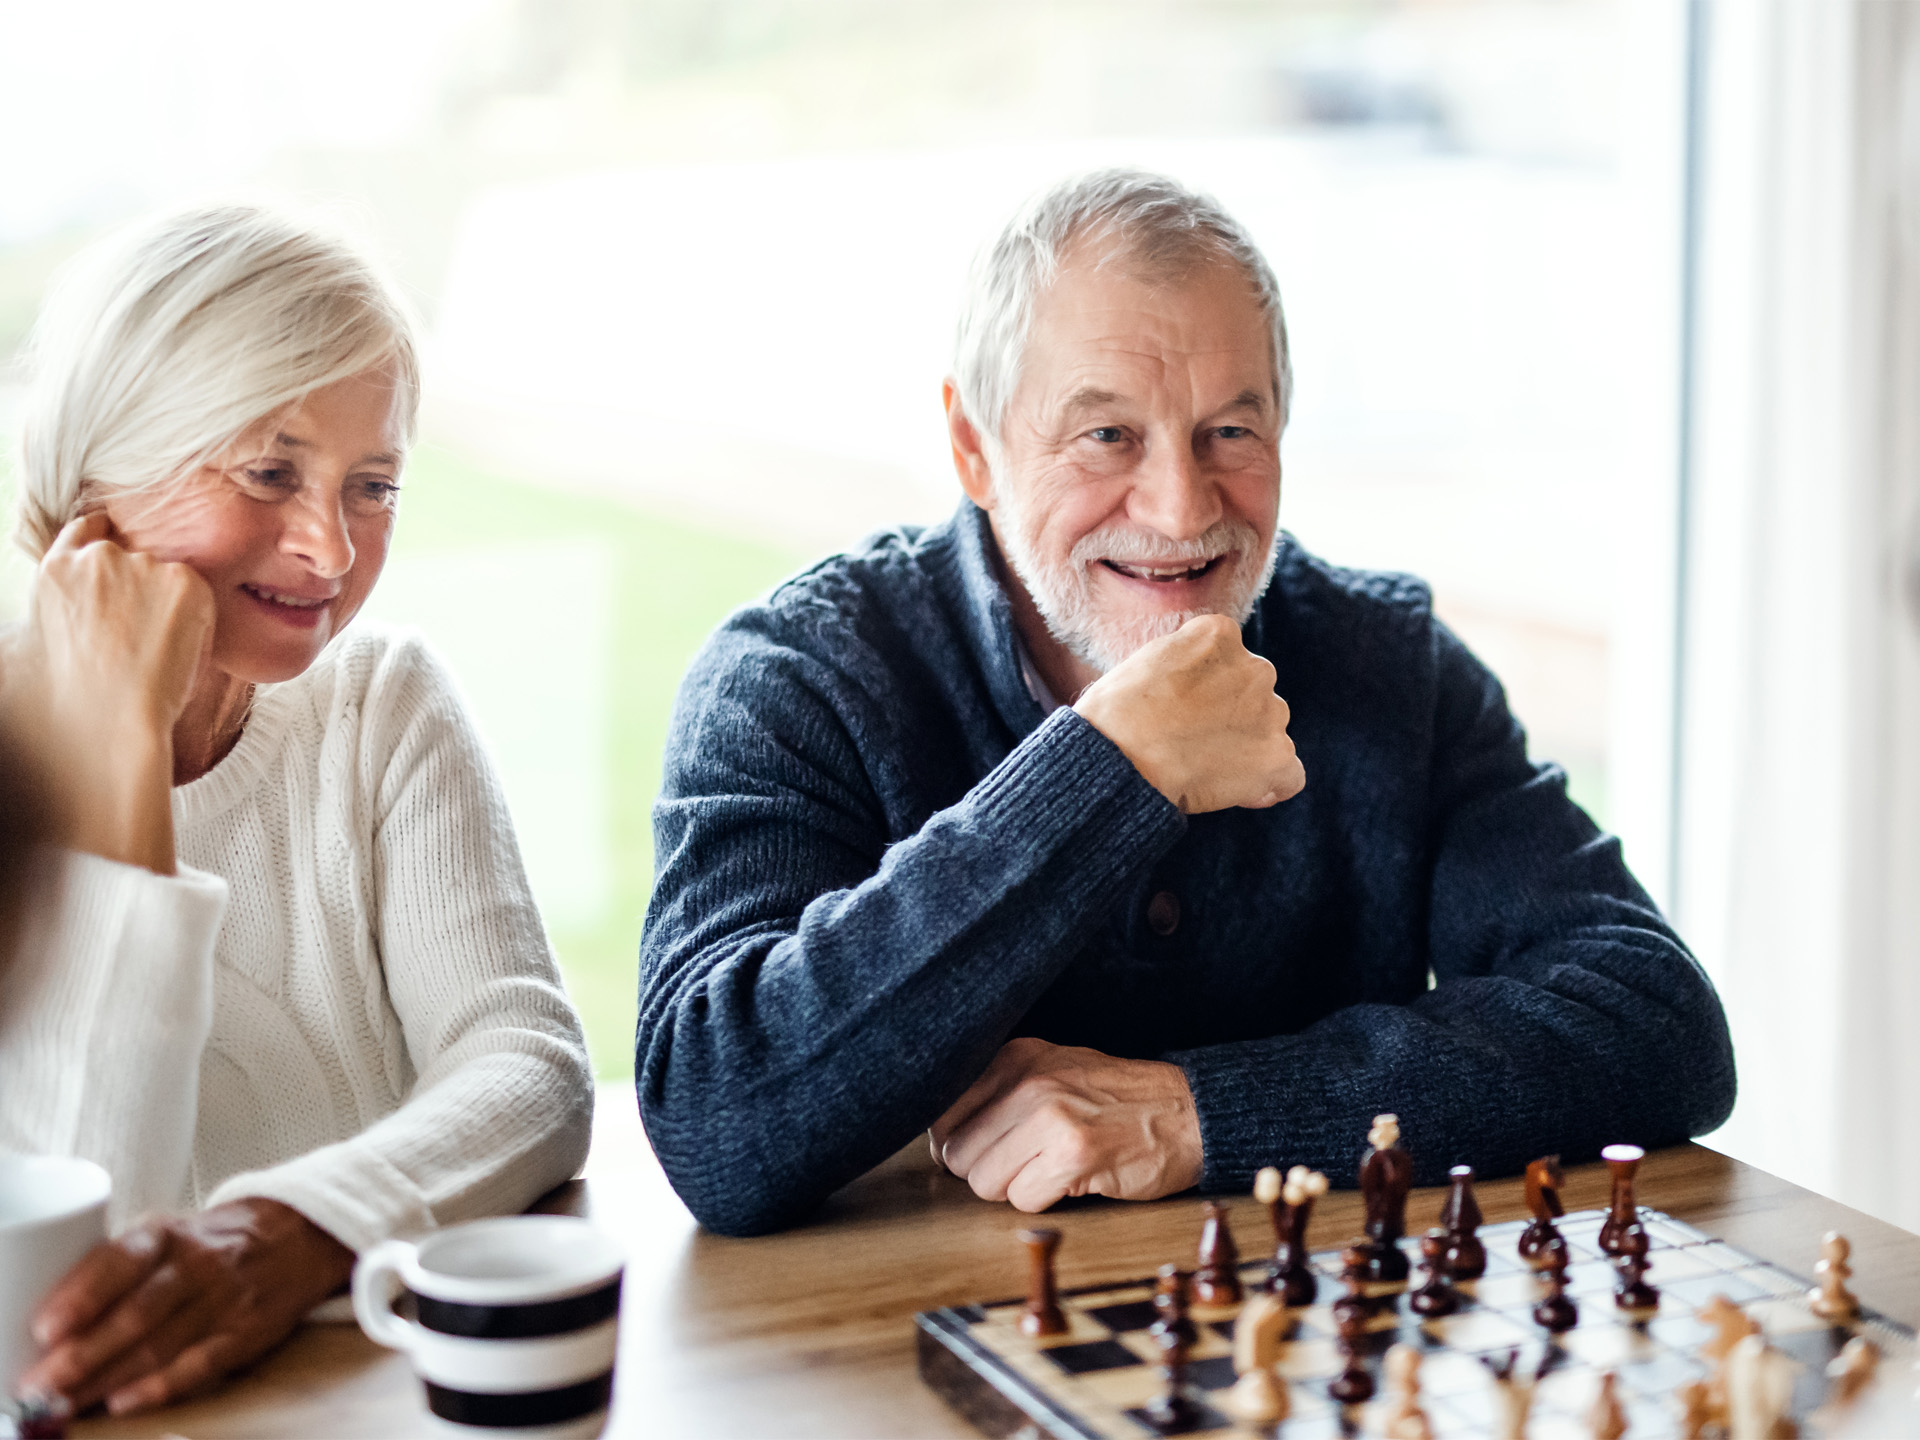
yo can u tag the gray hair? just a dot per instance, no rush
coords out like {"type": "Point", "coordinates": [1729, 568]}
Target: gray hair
{"type": "Point", "coordinates": [1146, 219]}
{"type": "Point", "coordinates": [159, 349]}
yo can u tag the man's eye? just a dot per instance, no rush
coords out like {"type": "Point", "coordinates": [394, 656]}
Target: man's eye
{"type": "Point", "coordinates": [1233, 432]}
{"type": "Point", "coordinates": [1106, 434]}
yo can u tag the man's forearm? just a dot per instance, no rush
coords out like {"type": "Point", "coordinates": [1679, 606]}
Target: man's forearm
{"type": "Point", "coordinates": [782, 1057]}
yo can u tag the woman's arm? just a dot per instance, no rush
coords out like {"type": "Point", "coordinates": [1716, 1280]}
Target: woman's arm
{"type": "Point", "coordinates": [503, 1103]}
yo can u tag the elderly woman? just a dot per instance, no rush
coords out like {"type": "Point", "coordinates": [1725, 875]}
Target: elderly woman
{"type": "Point", "coordinates": [285, 981]}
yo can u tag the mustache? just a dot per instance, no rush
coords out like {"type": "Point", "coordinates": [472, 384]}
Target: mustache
{"type": "Point", "coordinates": [1131, 545]}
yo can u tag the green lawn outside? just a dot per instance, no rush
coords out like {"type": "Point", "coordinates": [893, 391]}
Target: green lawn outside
{"type": "Point", "coordinates": [674, 583]}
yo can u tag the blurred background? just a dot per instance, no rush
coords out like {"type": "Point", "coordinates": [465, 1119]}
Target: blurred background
{"type": "Point", "coordinates": [690, 271]}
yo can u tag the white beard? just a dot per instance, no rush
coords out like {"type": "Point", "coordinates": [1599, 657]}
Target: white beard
{"type": "Point", "coordinates": [1062, 590]}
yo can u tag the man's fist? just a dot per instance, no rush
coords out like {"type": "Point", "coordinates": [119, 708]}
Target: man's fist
{"type": "Point", "coordinates": [1196, 714]}
{"type": "Point", "coordinates": [1047, 1121]}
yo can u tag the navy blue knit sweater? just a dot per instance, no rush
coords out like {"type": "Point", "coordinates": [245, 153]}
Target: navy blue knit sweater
{"type": "Point", "coordinates": [878, 861]}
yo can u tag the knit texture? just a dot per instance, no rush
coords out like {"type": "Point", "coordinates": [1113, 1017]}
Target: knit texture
{"type": "Point", "coordinates": [878, 861]}
{"type": "Point", "coordinates": [376, 1034]}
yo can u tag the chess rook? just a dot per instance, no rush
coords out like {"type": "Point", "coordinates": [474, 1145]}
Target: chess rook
{"type": "Point", "coordinates": [1460, 1218]}
{"type": "Point", "coordinates": [1043, 1315]}
{"type": "Point", "coordinates": [1624, 1162]}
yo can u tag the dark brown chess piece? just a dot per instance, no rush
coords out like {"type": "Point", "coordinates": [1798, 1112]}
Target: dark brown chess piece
{"type": "Point", "coordinates": [1436, 1295]}
{"type": "Point", "coordinates": [1460, 1218]}
{"type": "Point", "coordinates": [1217, 1280]}
{"type": "Point", "coordinates": [1043, 1315]}
{"type": "Point", "coordinates": [1170, 1303]}
{"type": "Point", "coordinates": [1543, 1200]}
{"type": "Point", "coordinates": [1556, 1311]}
{"type": "Point", "coordinates": [1623, 1213]}
{"type": "Point", "coordinates": [1173, 1334]}
{"type": "Point", "coordinates": [1386, 1175]}
{"type": "Point", "coordinates": [1353, 1385]}
{"type": "Point", "coordinates": [1290, 1202]}
{"type": "Point", "coordinates": [1356, 1304]}
{"type": "Point", "coordinates": [1632, 1292]}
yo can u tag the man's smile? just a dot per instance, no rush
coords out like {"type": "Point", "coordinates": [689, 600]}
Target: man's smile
{"type": "Point", "coordinates": [1166, 572]}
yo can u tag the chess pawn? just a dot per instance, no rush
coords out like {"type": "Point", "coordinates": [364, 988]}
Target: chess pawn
{"type": "Point", "coordinates": [1405, 1419]}
{"type": "Point", "coordinates": [1608, 1418]}
{"type": "Point", "coordinates": [1436, 1295]}
{"type": "Point", "coordinates": [1355, 1305]}
{"type": "Point", "coordinates": [1512, 1396]}
{"type": "Point", "coordinates": [1170, 1304]}
{"type": "Point", "coordinates": [1460, 1218]}
{"type": "Point", "coordinates": [1386, 1175]}
{"type": "Point", "coordinates": [1217, 1279]}
{"type": "Point", "coordinates": [1043, 1315]}
{"type": "Point", "coordinates": [1173, 1409]}
{"type": "Point", "coordinates": [1852, 1370]}
{"type": "Point", "coordinates": [1632, 1291]}
{"type": "Point", "coordinates": [1353, 1385]}
{"type": "Point", "coordinates": [1543, 1183]}
{"type": "Point", "coordinates": [1556, 1311]}
{"type": "Point", "coordinates": [1624, 1162]}
{"type": "Point", "coordinates": [1830, 1299]}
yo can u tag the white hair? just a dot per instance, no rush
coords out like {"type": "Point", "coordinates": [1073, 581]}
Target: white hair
{"type": "Point", "coordinates": [1140, 218]}
{"type": "Point", "coordinates": [159, 349]}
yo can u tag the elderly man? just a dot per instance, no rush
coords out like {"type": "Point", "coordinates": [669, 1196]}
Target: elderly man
{"type": "Point", "coordinates": [999, 828]}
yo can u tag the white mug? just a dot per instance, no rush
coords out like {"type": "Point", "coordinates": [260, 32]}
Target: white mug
{"type": "Point", "coordinates": [53, 1210]}
{"type": "Point", "coordinates": [515, 1324]}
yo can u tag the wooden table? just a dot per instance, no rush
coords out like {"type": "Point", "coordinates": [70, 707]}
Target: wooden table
{"type": "Point", "coordinates": [810, 1333]}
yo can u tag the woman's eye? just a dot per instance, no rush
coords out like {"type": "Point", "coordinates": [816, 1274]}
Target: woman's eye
{"type": "Point", "coordinates": [377, 494]}
{"type": "Point", "coordinates": [1106, 434]}
{"type": "Point", "coordinates": [273, 477]}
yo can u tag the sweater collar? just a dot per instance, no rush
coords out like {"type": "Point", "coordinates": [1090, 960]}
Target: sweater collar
{"type": "Point", "coordinates": [990, 627]}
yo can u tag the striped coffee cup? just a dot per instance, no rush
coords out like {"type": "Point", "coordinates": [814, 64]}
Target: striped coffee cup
{"type": "Point", "coordinates": [515, 1322]}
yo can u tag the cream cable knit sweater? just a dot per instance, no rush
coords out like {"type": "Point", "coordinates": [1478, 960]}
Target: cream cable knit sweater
{"type": "Point", "coordinates": [376, 1032]}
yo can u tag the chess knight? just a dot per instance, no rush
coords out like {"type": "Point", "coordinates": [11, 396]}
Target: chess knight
{"type": "Point", "coordinates": [1110, 835]}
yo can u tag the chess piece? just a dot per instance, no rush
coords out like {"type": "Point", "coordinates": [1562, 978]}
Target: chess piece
{"type": "Point", "coordinates": [1356, 1304]}
{"type": "Point", "coordinates": [1292, 1261]}
{"type": "Point", "coordinates": [1043, 1315]}
{"type": "Point", "coordinates": [1759, 1389]}
{"type": "Point", "coordinates": [1543, 1184]}
{"type": "Point", "coordinates": [1216, 1281]}
{"type": "Point", "coordinates": [1632, 1292]}
{"type": "Point", "coordinates": [1386, 1175]}
{"type": "Point", "coordinates": [1512, 1396]}
{"type": "Point", "coordinates": [1830, 1299]}
{"type": "Point", "coordinates": [1405, 1420]}
{"type": "Point", "coordinates": [1258, 1331]}
{"type": "Point", "coordinates": [40, 1417]}
{"type": "Point", "coordinates": [1623, 1161]}
{"type": "Point", "coordinates": [1730, 1325]}
{"type": "Point", "coordinates": [1267, 1186]}
{"type": "Point", "coordinates": [1852, 1370]}
{"type": "Point", "coordinates": [1460, 1218]}
{"type": "Point", "coordinates": [1697, 1410]}
{"type": "Point", "coordinates": [1353, 1385]}
{"type": "Point", "coordinates": [1607, 1418]}
{"type": "Point", "coordinates": [1174, 1409]}
{"type": "Point", "coordinates": [1556, 1311]}
{"type": "Point", "coordinates": [1436, 1295]}
{"type": "Point", "coordinates": [1259, 1397]}
{"type": "Point", "coordinates": [1170, 1304]}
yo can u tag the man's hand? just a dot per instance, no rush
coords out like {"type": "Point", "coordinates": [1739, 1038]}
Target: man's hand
{"type": "Point", "coordinates": [177, 1301]}
{"type": "Point", "coordinates": [1047, 1121]}
{"type": "Point", "coordinates": [1196, 714]}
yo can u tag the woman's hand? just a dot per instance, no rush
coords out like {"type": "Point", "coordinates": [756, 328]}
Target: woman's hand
{"type": "Point", "coordinates": [178, 1301]}
{"type": "Point", "coordinates": [103, 667]}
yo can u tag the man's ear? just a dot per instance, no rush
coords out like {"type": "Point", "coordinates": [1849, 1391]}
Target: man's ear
{"type": "Point", "coordinates": [969, 454]}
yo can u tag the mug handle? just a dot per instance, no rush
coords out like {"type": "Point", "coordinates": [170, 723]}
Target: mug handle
{"type": "Point", "coordinates": [376, 1283]}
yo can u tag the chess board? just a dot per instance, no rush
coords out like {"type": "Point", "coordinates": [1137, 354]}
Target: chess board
{"type": "Point", "coordinates": [1093, 1382]}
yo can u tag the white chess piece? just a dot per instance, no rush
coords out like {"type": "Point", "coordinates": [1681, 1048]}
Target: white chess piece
{"type": "Point", "coordinates": [1260, 1396]}
{"type": "Point", "coordinates": [1405, 1419]}
{"type": "Point", "coordinates": [1759, 1389]}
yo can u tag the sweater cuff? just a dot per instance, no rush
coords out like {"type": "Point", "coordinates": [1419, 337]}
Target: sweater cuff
{"type": "Point", "coordinates": [1248, 1116]}
{"type": "Point", "coordinates": [349, 1190]}
{"type": "Point", "coordinates": [1070, 792]}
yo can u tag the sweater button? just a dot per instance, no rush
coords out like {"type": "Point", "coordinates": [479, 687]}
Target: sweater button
{"type": "Point", "coordinates": [1163, 913]}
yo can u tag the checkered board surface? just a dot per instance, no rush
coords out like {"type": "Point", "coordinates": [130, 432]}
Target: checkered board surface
{"type": "Point", "coordinates": [1093, 1382]}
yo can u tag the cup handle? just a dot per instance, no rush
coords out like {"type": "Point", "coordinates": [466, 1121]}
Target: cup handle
{"type": "Point", "coordinates": [376, 1283]}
